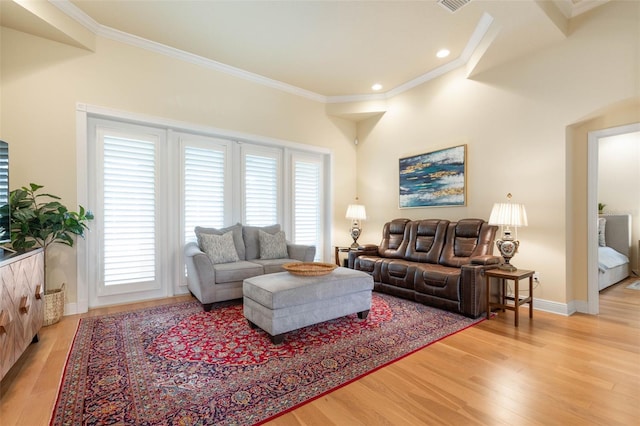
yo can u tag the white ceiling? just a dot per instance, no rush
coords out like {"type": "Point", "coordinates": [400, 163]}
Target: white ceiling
{"type": "Point", "coordinates": [333, 49]}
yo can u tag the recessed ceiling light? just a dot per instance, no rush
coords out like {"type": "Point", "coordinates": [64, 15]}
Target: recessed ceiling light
{"type": "Point", "coordinates": [443, 53]}
{"type": "Point", "coordinates": [376, 86]}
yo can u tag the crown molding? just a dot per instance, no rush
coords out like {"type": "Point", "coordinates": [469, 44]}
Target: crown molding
{"type": "Point", "coordinates": [110, 33]}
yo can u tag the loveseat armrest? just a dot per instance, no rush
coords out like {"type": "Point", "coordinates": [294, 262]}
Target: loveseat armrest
{"type": "Point", "coordinates": [363, 250]}
{"type": "Point", "coordinates": [301, 252]}
{"type": "Point", "coordinates": [473, 287]}
{"type": "Point", "coordinates": [200, 272]}
{"type": "Point", "coordinates": [486, 259]}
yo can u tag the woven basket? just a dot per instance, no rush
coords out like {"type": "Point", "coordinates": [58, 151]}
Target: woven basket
{"type": "Point", "coordinates": [53, 305]}
{"type": "Point", "coordinates": [309, 269]}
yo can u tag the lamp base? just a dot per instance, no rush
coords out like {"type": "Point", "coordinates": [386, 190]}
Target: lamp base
{"type": "Point", "coordinates": [355, 234]}
{"type": "Point", "coordinates": [507, 267]}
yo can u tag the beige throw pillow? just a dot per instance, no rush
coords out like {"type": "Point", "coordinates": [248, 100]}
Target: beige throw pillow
{"type": "Point", "coordinates": [219, 248]}
{"type": "Point", "coordinates": [273, 246]}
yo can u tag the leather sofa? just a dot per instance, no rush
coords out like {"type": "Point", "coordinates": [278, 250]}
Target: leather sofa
{"type": "Point", "coordinates": [210, 281]}
{"type": "Point", "coordinates": [433, 261]}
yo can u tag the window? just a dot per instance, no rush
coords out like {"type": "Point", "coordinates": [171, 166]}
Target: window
{"type": "Point", "coordinates": [126, 194]}
{"type": "Point", "coordinates": [307, 200]}
{"type": "Point", "coordinates": [261, 186]}
{"type": "Point", "coordinates": [150, 185]}
{"type": "Point", "coordinates": [205, 184]}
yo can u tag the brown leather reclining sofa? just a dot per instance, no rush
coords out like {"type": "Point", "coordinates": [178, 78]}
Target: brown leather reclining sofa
{"type": "Point", "coordinates": [436, 262]}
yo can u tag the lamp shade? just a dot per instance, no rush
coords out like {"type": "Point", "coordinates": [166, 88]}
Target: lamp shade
{"type": "Point", "coordinates": [509, 214]}
{"type": "Point", "coordinates": [356, 211]}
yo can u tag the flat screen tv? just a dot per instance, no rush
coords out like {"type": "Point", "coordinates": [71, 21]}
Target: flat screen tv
{"type": "Point", "coordinates": [5, 212]}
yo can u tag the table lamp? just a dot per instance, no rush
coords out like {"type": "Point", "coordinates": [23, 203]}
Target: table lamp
{"type": "Point", "coordinates": [508, 215]}
{"type": "Point", "coordinates": [356, 212]}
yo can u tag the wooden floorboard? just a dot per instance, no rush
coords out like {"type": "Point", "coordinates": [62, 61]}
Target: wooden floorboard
{"type": "Point", "coordinates": [552, 370]}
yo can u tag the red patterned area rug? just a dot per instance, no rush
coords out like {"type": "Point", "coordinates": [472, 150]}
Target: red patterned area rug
{"type": "Point", "coordinates": [179, 365]}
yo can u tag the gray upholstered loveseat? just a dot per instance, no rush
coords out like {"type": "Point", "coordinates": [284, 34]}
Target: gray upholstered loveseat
{"type": "Point", "coordinates": [221, 260]}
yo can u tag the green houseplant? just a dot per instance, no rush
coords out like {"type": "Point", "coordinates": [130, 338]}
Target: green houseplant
{"type": "Point", "coordinates": [40, 220]}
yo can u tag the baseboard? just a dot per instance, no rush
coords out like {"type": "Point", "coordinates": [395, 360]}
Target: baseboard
{"type": "Point", "coordinates": [553, 307]}
{"type": "Point", "coordinates": [70, 309]}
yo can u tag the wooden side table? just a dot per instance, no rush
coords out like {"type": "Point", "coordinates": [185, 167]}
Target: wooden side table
{"type": "Point", "coordinates": [339, 250]}
{"type": "Point", "coordinates": [503, 276]}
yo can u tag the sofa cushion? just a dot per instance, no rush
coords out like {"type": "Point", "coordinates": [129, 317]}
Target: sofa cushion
{"type": "Point", "coordinates": [426, 239]}
{"type": "Point", "coordinates": [272, 246]}
{"type": "Point", "coordinates": [439, 281]}
{"type": "Point", "coordinates": [219, 248]}
{"type": "Point", "coordinates": [465, 239]}
{"type": "Point", "coordinates": [238, 241]}
{"type": "Point", "coordinates": [273, 265]}
{"type": "Point", "coordinates": [236, 271]}
{"type": "Point", "coordinates": [395, 237]}
{"type": "Point", "coordinates": [251, 241]}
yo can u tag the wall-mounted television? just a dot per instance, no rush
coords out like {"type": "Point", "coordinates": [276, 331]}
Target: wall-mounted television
{"type": "Point", "coordinates": [5, 211]}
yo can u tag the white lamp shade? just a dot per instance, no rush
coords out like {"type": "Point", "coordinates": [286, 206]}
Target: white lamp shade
{"type": "Point", "coordinates": [356, 212]}
{"type": "Point", "coordinates": [510, 214]}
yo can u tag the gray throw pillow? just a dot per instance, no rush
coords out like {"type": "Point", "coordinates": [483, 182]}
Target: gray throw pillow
{"type": "Point", "coordinates": [238, 240]}
{"type": "Point", "coordinates": [220, 248]}
{"type": "Point", "coordinates": [273, 246]}
{"type": "Point", "coordinates": [252, 244]}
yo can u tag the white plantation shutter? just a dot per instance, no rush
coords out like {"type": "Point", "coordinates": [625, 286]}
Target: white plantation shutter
{"type": "Point", "coordinates": [261, 185]}
{"type": "Point", "coordinates": [204, 189]}
{"type": "Point", "coordinates": [129, 215]}
{"type": "Point", "coordinates": [307, 202]}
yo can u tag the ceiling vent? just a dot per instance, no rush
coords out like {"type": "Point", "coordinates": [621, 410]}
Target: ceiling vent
{"type": "Point", "coordinates": [453, 5]}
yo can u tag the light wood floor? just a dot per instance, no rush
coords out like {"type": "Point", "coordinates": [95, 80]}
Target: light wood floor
{"type": "Point", "coordinates": [552, 370]}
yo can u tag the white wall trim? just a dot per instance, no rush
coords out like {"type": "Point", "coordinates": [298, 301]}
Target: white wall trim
{"type": "Point", "coordinates": [110, 33]}
{"type": "Point", "coordinates": [191, 127]}
{"type": "Point", "coordinates": [553, 307]}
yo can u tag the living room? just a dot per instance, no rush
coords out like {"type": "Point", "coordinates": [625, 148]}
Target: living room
{"type": "Point", "coordinates": [525, 122]}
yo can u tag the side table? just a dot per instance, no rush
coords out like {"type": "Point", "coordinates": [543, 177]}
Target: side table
{"type": "Point", "coordinates": [339, 250]}
{"type": "Point", "coordinates": [503, 276]}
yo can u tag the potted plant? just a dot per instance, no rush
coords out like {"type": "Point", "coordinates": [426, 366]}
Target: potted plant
{"type": "Point", "coordinates": [40, 220]}
{"type": "Point", "coordinates": [601, 208]}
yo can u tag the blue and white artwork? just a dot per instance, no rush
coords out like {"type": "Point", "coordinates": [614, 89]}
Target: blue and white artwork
{"type": "Point", "coordinates": [434, 179]}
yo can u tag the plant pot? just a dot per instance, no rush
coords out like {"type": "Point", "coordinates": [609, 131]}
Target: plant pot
{"type": "Point", "coordinates": [53, 305]}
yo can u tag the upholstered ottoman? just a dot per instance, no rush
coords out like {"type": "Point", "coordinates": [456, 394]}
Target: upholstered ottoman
{"type": "Point", "coordinates": [283, 302]}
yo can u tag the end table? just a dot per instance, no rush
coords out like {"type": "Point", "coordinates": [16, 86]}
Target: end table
{"type": "Point", "coordinates": [503, 276]}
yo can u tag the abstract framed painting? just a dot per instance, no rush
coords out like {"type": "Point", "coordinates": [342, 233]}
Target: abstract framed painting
{"type": "Point", "coordinates": [434, 179]}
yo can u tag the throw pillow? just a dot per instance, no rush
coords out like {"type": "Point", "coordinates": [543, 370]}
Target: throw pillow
{"type": "Point", "coordinates": [273, 246]}
{"type": "Point", "coordinates": [220, 248]}
{"type": "Point", "coordinates": [237, 236]}
{"type": "Point", "coordinates": [602, 242]}
{"type": "Point", "coordinates": [250, 236]}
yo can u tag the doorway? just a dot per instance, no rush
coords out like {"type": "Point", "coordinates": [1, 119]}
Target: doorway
{"type": "Point", "coordinates": [594, 139]}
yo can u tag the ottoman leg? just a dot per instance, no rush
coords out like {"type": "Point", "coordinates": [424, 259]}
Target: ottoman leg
{"type": "Point", "coordinates": [363, 314]}
{"type": "Point", "coordinates": [278, 338]}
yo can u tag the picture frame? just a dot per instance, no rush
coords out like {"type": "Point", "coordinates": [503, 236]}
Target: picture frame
{"type": "Point", "coordinates": [434, 179]}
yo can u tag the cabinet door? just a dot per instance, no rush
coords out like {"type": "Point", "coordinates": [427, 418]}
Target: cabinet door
{"type": "Point", "coordinates": [8, 350]}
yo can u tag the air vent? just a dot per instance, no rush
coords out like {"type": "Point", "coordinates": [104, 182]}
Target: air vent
{"type": "Point", "coordinates": [453, 5]}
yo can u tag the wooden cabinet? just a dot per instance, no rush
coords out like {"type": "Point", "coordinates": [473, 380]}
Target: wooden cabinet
{"type": "Point", "coordinates": [21, 304]}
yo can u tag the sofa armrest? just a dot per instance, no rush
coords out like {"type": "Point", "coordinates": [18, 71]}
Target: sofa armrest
{"type": "Point", "coordinates": [200, 272]}
{"type": "Point", "coordinates": [486, 259]}
{"type": "Point", "coordinates": [364, 250]}
{"type": "Point", "coordinates": [473, 288]}
{"type": "Point", "coordinates": [304, 253]}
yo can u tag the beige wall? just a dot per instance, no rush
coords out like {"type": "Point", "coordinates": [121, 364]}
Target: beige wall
{"type": "Point", "coordinates": [42, 81]}
{"type": "Point", "coordinates": [514, 121]}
